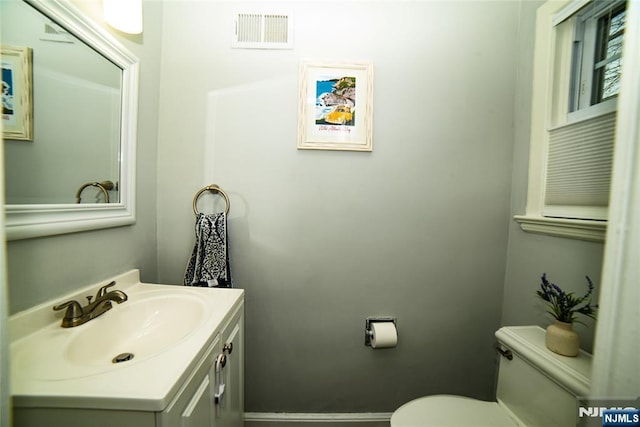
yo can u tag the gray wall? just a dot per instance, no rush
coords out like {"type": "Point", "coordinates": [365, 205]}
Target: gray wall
{"type": "Point", "coordinates": [45, 268]}
{"type": "Point", "coordinates": [565, 261]}
{"type": "Point", "coordinates": [420, 228]}
{"type": "Point", "coordinates": [321, 240]}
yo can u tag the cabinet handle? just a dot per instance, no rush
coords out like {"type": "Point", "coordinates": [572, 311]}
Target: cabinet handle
{"type": "Point", "coordinates": [228, 347]}
{"type": "Point", "coordinates": [221, 360]}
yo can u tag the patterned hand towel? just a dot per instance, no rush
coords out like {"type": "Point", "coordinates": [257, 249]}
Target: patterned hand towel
{"type": "Point", "coordinates": [209, 262]}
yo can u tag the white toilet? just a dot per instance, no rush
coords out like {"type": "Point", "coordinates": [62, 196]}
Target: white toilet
{"type": "Point", "coordinates": [536, 387]}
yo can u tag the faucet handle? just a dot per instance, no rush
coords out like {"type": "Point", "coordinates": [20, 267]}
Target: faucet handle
{"type": "Point", "coordinates": [74, 315]}
{"type": "Point", "coordinates": [103, 290]}
{"type": "Point", "coordinates": [74, 309]}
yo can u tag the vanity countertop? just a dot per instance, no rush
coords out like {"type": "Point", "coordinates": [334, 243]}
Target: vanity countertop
{"type": "Point", "coordinates": [46, 371]}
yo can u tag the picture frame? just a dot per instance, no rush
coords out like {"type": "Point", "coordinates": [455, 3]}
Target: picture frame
{"type": "Point", "coordinates": [17, 93]}
{"type": "Point", "coordinates": [335, 106]}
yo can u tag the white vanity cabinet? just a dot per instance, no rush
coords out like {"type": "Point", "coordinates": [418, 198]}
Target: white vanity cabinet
{"type": "Point", "coordinates": [229, 409]}
{"type": "Point", "coordinates": [213, 395]}
{"type": "Point", "coordinates": [186, 370]}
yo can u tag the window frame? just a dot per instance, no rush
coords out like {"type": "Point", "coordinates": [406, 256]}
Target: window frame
{"type": "Point", "coordinates": [544, 116]}
{"type": "Point", "coordinates": [602, 59]}
{"type": "Point", "coordinates": [582, 105]}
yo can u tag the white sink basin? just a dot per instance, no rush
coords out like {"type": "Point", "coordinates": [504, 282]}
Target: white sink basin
{"type": "Point", "coordinates": [140, 328]}
{"type": "Point", "coordinates": [148, 323]}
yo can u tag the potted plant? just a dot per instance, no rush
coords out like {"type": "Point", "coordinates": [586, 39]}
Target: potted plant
{"type": "Point", "coordinates": [564, 307]}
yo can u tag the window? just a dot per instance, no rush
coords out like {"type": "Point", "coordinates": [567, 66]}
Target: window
{"type": "Point", "coordinates": [577, 70]}
{"type": "Point", "coordinates": [608, 67]}
{"type": "Point", "coordinates": [597, 54]}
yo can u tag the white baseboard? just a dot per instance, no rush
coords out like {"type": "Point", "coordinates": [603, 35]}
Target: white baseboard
{"type": "Point", "coordinates": [271, 419]}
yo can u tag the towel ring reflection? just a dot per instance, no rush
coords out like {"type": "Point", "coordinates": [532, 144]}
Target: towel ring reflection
{"type": "Point", "coordinates": [214, 189]}
{"type": "Point", "coordinates": [104, 186]}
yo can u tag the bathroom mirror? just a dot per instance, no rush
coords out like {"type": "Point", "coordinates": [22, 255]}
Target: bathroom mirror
{"type": "Point", "coordinates": [75, 172]}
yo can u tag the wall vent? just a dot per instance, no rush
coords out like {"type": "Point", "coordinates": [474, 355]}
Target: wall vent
{"type": "Point", "coordinates": [263, 31]}
{"type": "Point", "coordinates": [54, 33]}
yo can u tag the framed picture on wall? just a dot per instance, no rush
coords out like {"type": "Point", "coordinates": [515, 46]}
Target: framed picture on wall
{"type": "Point", "coordinates": [335, 106]}
{"type": "Point", "coordinates": [17, 107]}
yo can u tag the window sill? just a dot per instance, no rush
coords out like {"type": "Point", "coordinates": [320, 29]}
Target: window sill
{"type": "Point", "coordinates": [592, 112]}
{"type": "Point", "coordinates": [581, 229]}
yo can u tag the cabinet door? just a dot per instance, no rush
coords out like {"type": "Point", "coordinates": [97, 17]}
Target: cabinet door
{"type": "Point", "coordinates": [193, 403]}
{"type": "Point", "coordinates": [198, 410]}
{"type": "Point", "coordinates": [229, 409]}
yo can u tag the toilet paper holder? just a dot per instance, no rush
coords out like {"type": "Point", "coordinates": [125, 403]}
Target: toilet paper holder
{"type": "Point", "coordinates": [372, 319]}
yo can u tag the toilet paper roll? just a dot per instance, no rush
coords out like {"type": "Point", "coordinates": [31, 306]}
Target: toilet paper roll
{"type": "Point", "coordinates": [383, 335]}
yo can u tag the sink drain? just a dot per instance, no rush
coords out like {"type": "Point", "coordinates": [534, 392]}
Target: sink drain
{"type": "Point", "coordinates": [122, 357]}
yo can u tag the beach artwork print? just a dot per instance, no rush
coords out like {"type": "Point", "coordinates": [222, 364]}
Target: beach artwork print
{"type": "Point", "coordinates": [336, 102]}
{"type": "Point", "coordinates": [335, 106]}
{"type": "Point", "coordinates": [17, 108]}
{"type": "Point", "coordinates": [8, 116]}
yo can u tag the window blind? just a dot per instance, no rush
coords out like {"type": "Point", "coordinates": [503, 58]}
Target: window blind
{"type": "Point", "coordinates": [579, 167]}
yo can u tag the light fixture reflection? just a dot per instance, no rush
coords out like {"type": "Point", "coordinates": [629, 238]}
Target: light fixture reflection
{"type": "Point", "coordinates": [124, 15]}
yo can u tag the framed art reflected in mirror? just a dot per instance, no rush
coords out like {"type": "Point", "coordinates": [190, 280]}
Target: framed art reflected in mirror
{"type": "Point", "coordinates": [17, 108]}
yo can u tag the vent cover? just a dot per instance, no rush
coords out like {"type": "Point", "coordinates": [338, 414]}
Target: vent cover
{"type": "Point", "coordinates": [54, 33]}
{"type": "Point", "coordinates": [263, 31]}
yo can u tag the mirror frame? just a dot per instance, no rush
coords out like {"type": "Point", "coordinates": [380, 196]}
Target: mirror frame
{"type": "Point", "coordinates": [27, 221]}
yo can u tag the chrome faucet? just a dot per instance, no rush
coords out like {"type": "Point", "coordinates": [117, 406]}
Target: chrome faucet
{"type": "Point", "coordinates": [76, 314]}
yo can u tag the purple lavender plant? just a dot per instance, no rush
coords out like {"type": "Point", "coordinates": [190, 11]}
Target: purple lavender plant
{"type": "Point", "coordinates": [564, 306]}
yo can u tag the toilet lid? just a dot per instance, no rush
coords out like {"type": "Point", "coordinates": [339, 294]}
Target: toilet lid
{"type": "Point", "coordinates": [454, 411]}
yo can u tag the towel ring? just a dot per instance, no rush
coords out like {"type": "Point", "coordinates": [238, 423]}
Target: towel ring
{"type": "Point", "coordinates": [214, 189]}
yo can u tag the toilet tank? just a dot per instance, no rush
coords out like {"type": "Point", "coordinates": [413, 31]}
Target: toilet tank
{"type": "Point", "coordinates": [539, 387]}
